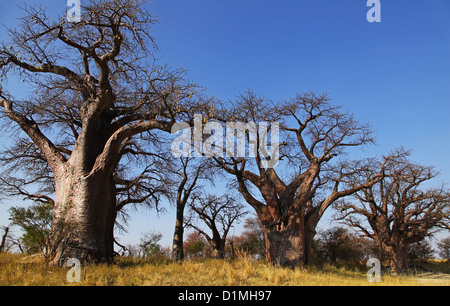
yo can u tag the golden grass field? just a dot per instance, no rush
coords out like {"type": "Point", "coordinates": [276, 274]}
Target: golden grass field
{"type": "Point", "coordinates": [32, 271]}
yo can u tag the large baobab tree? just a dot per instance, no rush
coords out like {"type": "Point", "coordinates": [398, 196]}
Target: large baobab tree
{"type": "Point", "coordinates": [291, 197]}
{"type": "Point", "coordinates": [93, 86]}
{"type": "Point", "coordinates": [398, 210]}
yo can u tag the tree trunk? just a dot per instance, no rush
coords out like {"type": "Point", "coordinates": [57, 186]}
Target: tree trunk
{"type": "Point", "coordinates": [311, 221]}
{"type": "Point", "coordinates": [310, 233]}
{"type": "Point", "coordinates": [84, 216]}
{"type": "Point", "coordinates": [285, 244]}
{"type": "Point", "coordinates": [399, 258]}
{"type": "Point", "coordinates": [3, 243]}
{"type": "Point", "coordinates": [177, 246]}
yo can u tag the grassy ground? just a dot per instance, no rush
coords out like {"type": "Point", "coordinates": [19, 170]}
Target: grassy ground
{"type": "Point", "coordinates": [32, 270]}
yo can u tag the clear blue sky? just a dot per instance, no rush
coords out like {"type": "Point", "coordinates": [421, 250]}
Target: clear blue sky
{"type": "Point", "coordinates": [394, 74]}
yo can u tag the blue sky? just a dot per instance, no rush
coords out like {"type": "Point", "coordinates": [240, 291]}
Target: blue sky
{"type": "Point", "coordinates": [394, 74]}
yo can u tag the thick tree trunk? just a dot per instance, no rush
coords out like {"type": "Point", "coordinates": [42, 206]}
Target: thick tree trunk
{"type": "Point", "coordinates": [84, 217]}
{"type": "Point", "coordinates": [398, 258]}
{"type": "Point", "coordinates": [285, 244]}
{"type": "Point", "coordinates": [177, 246]}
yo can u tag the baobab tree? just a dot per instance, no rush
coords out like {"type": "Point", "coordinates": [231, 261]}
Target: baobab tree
{"type": "Point", "coordinates": [219, 214]}
{"type": "Point", "coordinates": [398, 210]}
{"type": "Point", "coordinates": [94, 86]}
{"type": "Point", "coordinates": [292, 197]}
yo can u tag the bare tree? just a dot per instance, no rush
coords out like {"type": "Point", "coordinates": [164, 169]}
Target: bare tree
{"type": "Point", "coordinates": [314, 132]}
{"type": "Point", "coordinates": [218, 213]}
{"type": "Point", "coordinates": [190, 170]}
{"type": "Point", "coordinates": [444, 248]}
{"type": "Point", "coordinates": [398, 210]}
{"type": "Point", "coordinates": [139, 180]}
{"type": "Point", "coordinates": [96, 85]}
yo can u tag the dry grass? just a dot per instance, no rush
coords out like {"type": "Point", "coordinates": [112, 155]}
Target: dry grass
{"type": "Point", "coordinates": [32, 271]}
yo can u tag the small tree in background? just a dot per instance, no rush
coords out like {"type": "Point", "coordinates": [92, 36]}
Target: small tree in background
{"type": "Point", "coordinates": [338, 244]}
{"type": "Point", "coordinates": [420, 251]}
{"type": "Point", "coordinates": [218, 214]}
{"type": "Point", "coordinates": [251, 240]}
{"type": "Point", "coordinates": [194, 244]}
{"type": "Point", "coordinates": [444, 248]}
{"type": "Point", "coordinates": [186, 173]}
{"type": "Point", "coordinates": [35, 222]}
{"type": "Point", "coordinates": [149, 245]}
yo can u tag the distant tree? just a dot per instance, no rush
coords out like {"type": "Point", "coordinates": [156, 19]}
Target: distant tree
{"type": "Point", "coordinates": [338, 244]}
{"type": "Point", "coordinates": [398, 210]}
{"type": "Point", "coordinates": [252, 238]}
{"type": "Point", "coordinates": [194, 244]}
{"type": "Point", "coordinates": [444, 248]}
{"type": "Point", "coordinates": [420, 251]}
{"type": "Point", "coordinates": [218, 213]}
{"type": "Point", "coordinates": [149, 245]}
{"type": "Point", "coordinates": [186, 174]}
{"type": "Point", "coordinates": [35, 222]}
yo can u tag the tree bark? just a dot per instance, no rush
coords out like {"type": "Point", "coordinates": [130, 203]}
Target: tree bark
{"type": "Point", "coordinates": [311, 221]}
{"type": "Point", "coordinates": [177, 246]}
{"type": "Point", "coordinates": [84, 216]}
{"type": "Point", "coordinates": [3, 243]}
{"type": "Point", "coordinates": [285, 243]}
{"type": "Point", "coordinates": [398, 258]}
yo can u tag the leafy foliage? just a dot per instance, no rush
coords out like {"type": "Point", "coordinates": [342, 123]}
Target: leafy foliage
{"type": "Point", "coordinates": [35, 221]}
